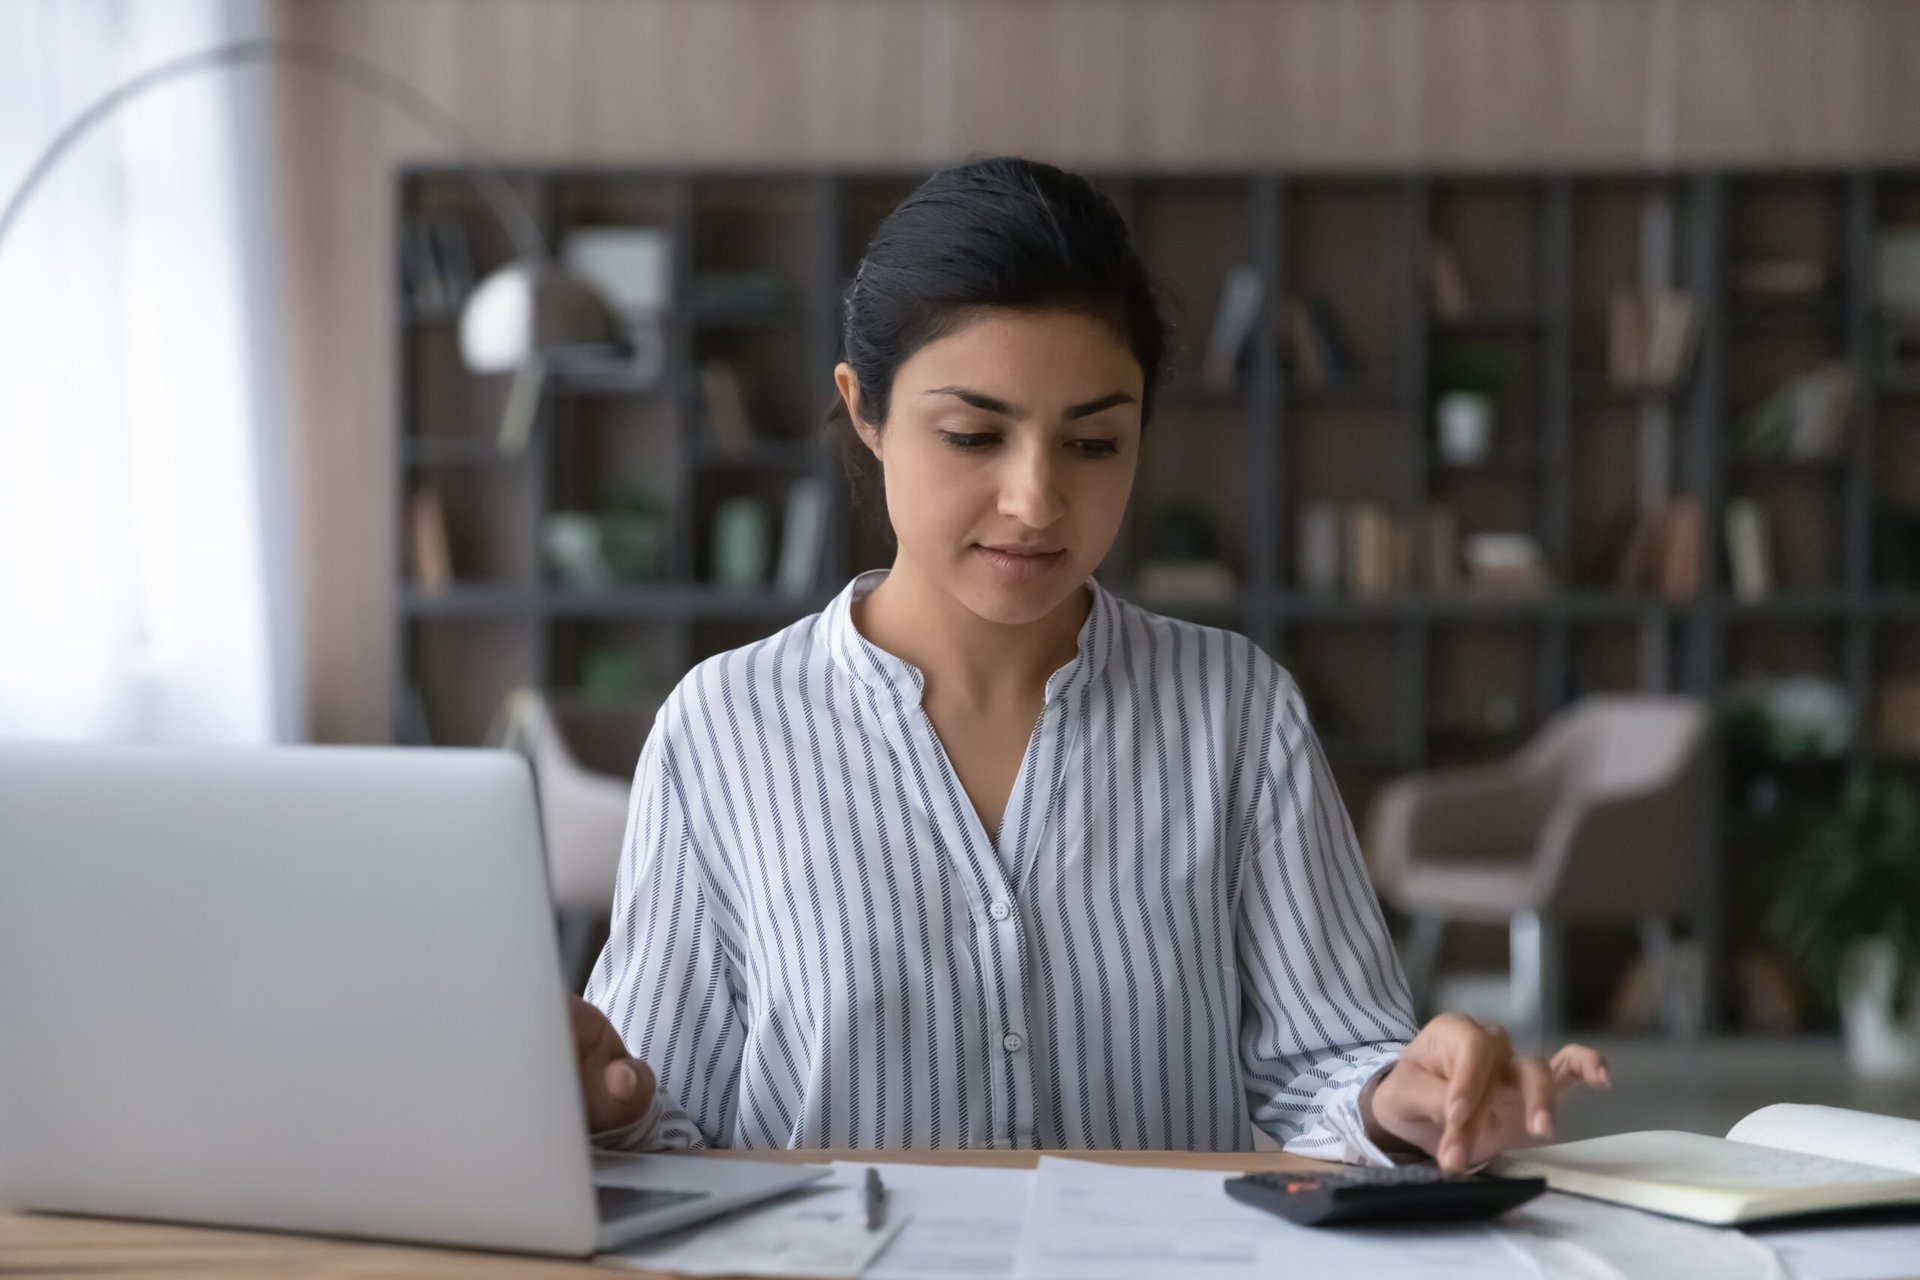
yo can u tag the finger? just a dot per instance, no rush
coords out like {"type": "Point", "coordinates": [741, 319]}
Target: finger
{"type": "Point", "coordinates": [1502, 1125]}
{"type": "Point", "coordinates": [594, 1038]}
{"type": "Point", "coordinates": [1577, 1064]}
{"type": "Point", "coordinates": [1537, 1094]}
{"type": "Point", "coordinates": [618, 1093]}
{"type": "Point", "coordinates": [627, 1080]}
{"type": "Point", "coordinates": [1482, 1053]}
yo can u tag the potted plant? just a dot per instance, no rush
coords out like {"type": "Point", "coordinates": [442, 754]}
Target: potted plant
{"type": "Point", "coordinates": [1848, 910]}
{"type": "Point", "coordinates": [1464, 410]}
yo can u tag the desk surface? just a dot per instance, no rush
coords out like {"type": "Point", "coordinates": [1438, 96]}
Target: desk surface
{"type": "Point", "coordinates": [107, 1248]}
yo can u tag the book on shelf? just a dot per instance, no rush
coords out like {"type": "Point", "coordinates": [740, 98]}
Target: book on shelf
{"type": "Point", "coordinates": [427, 523]}
{"type": "Point", "coordinates": [1651, 337]}
{"type": "Point", "coordinates": [1316, 548]}
{"type": "Point", "coordinates": [1369, 554]}
{"type": "Point", "coordinates": [1440, 547]}
{"type": "Point", "coordinates": [1626, 338]}
{"type": "Point", "coordinates": [1187, 581]}
{"type": "Point", "coordinates": [453, 255]}
{"type": "Point", "coordinates": [1372, 551]}
{"type": "Point", "coordinates": [1308, 368]}
{"type": "Point", "coordinates": [1233, 322]}
{"type": "Point", "coordinates": [1633, 570]}
{"type": "Point", "coordinates": [1804, 417]}
{"type": "Point", "coordinates": [1785, 1160]}
{"type": "Point", "coordinates": [1680, 541]}
{"type": "Point", "coordinates": [1505, 563]}
{"type": "Point", "coordinates": [802, 537]}
{"type": "Point", "coordinates": [436, 263]}
{"type": "Point", "coordinates": [1896, 269]}
{"type": "Point", "coordinates": [1749, 553]}
{"type": "Point", "coordinates": [724, 389]}
{"type": "Point", "coordinates": [1322, 351]}
{"type": "Point", "coordinates": [1896, 714]}
{"type": "Point", "coordinates": [1783, 277]}
{"type": "Point", "coordinates": [1447, 290]}
{"type": "Point", "coordinates": [762, 293]}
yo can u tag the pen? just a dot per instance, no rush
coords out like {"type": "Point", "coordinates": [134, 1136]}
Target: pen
{"type": "Point", "coordinates": [874, 1197]}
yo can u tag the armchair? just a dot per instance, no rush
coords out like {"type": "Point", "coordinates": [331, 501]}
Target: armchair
{"type": "Point", "coordinates": [1599, 817]}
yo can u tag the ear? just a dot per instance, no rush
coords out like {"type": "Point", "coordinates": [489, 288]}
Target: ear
{"type": "Point", "coordinates": [849, 386]}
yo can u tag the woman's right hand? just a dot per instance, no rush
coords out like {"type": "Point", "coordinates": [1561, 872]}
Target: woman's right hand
{"type": "Point", "coordinates": [618, 1088]}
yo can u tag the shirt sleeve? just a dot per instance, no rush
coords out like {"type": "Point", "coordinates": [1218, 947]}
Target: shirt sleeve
{"type": "Point", "coordinates": [664, 979]}
{"type": "Point", "coordinates": [1324, 1003]}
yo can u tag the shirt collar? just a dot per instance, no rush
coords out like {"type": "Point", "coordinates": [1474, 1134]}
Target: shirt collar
{"type": "Point", "coordinates": [895, 676]}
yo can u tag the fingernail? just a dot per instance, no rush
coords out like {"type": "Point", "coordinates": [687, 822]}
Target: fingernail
{"type": "Point", "coordinates": [620, 1082]}
{"type": "Point", "coordinates": [1542, 1124]}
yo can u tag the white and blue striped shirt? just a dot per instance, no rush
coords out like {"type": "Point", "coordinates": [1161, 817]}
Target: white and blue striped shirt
{"type": "Point", "coordinates": [815, 943]}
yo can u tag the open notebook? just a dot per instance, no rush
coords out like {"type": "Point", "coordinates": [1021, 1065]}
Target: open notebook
{"type": "Point", "coordinates": [1781, 1161]}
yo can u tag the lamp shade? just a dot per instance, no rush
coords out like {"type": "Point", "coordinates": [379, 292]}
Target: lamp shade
{"type": "Point", "coordinates": [526, 311]}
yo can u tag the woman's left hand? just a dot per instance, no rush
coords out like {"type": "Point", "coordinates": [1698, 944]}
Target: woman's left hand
{"type": "Point", "coordinates": [1461, 1094]}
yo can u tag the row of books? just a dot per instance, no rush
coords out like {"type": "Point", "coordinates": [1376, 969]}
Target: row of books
{"type": "Point", "coordinates": [729, 395]}
{"type": "Point", "coordinates": [1661, 553]}
{"type": "Point", "coordinates": [1321, 353]}
{"type": "Point", "coordinates": [1368, 550]}
{"type": "Point", "coordinates": [1651, 337]}
{"type": "Point", "coordinates": [1804, 417]}
{"type": "Point", "coordinates": [436, 263]}
{"type": "Point", "coordinates": [805, 511]}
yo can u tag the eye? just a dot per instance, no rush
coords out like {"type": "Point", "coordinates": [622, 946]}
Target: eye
{"type": "Point", "coordinates": [969, 442]}
{"type": "Point", "coordinates": [1097, 448]}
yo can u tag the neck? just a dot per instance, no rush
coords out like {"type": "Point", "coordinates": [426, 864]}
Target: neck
{"type": "Point", "coordinates": [972, 661]}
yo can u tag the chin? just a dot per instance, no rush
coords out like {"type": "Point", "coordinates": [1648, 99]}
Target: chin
{"type": "Point", "coordinates": [1012, 604]}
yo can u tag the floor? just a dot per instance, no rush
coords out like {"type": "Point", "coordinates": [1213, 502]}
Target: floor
{"type": "Point", "coordinates": [1705, 1087]}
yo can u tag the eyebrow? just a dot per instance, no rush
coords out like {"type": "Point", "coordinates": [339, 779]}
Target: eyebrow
{"type": "Point", "coordinates": [981, 400]}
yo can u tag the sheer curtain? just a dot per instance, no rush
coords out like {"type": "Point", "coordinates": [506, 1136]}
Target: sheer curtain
{"type": "Point", "coordinates": [146, 559]}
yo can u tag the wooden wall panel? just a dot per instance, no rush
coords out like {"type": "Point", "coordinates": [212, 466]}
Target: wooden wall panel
{"type": "Point", "coordinates": [1175, 83]}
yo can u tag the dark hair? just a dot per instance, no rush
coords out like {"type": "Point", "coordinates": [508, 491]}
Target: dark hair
{"type": "Point", "coordinates": [999, 232]}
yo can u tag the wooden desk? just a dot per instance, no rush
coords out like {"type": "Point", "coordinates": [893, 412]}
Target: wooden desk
{"type": "Point", "coordinates": [113, 1249]}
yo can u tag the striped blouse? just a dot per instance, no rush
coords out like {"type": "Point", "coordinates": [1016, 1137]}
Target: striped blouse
{"type": "Point", "coordinates": [1170, 940]}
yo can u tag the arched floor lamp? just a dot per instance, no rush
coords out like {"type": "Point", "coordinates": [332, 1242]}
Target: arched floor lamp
{"type": "Point", "coordinates": [519, 319]}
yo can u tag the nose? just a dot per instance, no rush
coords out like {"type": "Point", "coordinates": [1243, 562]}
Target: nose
{"type": "Point", "coordinates": [1030, 490]}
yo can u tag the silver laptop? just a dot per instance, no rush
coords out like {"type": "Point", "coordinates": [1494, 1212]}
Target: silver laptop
{"type": "Point", "coordinates": [305, 988]}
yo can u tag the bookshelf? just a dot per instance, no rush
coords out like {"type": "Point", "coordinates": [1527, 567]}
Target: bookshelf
{"type": "Point", "coordinates": [1408, 679]}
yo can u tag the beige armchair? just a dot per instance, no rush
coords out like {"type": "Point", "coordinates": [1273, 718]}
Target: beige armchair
{"type": "Point", "coordinates": [583, 818]}
{"type": "Point", "coordinates": [1599, 817]}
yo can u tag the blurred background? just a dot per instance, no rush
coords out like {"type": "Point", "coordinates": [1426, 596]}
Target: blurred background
{"type": "Point", "coordinates": [1546, 399]}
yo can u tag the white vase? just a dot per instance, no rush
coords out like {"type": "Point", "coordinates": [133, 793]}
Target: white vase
{"type": "Point", "coordinates": [1877, 1047]}
{"type": "Point", "coordinates": [1464, 425]}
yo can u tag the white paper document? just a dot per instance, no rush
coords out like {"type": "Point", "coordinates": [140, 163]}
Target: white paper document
{"type": "Point", "coordinates": [1841, 1252]}
{"type": "Point", "coordinates": [1590, 1240]}
{"type": "Point", "coordinates": [817, 1231]}
{"type": "Point", "coordinates": [1090, 1221]}
{"type": "Point", "coordinates": [962, 1223]}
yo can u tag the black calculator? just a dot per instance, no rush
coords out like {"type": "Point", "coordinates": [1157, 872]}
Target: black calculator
{"type": "Point", "coordinates": [1404, 1193]}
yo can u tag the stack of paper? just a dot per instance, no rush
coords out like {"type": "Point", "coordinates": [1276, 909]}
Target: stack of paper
{"type": "Point", "coordinates": [1075, 1219]}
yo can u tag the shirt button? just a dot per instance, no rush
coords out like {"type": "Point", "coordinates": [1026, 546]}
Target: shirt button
{"type": "Point", "coordinates": [1012, 1042]}
{"type": "Point", "coordinates": [999, 911]}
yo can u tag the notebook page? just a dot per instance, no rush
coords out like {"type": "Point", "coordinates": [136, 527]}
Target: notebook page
{"type": "Point", "coordinates": [1836, 1133]}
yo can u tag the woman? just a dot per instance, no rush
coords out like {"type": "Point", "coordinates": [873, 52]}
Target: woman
{"type": "Point", "coordinates": [981, 855]}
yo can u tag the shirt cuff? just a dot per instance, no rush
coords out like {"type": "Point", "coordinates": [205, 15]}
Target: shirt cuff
{"type": "Point", "coordinates": [1341, 1120]}
{"type": "Point", "coordinates": [634, 1136]}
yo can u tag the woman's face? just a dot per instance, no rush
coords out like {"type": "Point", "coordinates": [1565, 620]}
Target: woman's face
{"type": "Point", "coordinates": [1009, 452]}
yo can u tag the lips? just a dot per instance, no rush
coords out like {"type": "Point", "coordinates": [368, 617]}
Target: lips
{"type": "Point", "coordinates": [1015, 566]}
